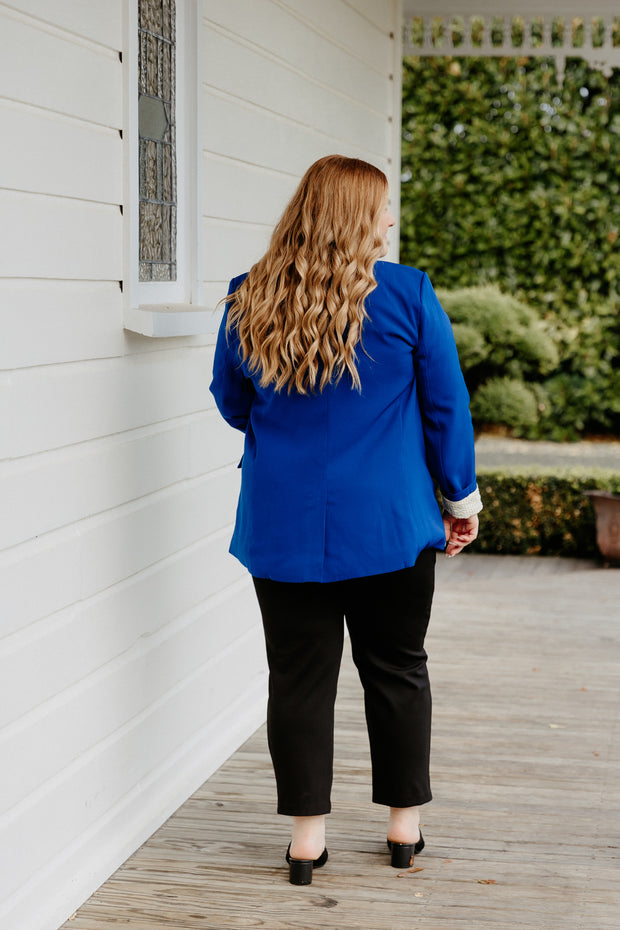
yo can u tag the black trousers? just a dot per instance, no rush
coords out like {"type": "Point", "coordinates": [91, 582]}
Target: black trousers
{"type": "Point", "coordinates": [387, 617]}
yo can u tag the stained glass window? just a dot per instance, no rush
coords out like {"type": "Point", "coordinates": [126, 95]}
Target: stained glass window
{"type": "Point", "coordinates": [157, 140]}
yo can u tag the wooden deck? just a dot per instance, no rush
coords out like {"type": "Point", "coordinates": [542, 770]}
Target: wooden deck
{"type": "Point", "coordinates": [524, 831]}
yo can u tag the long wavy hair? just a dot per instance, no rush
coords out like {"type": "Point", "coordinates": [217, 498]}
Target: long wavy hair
{"type": "Point", "coordinates": [299, 313]}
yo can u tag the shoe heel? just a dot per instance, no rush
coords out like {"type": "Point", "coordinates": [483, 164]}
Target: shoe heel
{"type": "Point", "coordinates": [402, 855]}
{"type": "Point", "coordinates": [300, 871]}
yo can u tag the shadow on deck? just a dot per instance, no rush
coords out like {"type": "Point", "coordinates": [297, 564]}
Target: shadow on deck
{"type": "Point", "coordinates": [524, 831]}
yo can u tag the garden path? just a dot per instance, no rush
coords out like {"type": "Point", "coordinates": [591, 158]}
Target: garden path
{"type": "Point", "coordinates": [495, 452]}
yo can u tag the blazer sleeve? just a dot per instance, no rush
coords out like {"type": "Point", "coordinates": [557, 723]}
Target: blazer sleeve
{"type": "Point", "coordinates": [444, 403]}
{"type": "Point", "coordinates": [232, 390]}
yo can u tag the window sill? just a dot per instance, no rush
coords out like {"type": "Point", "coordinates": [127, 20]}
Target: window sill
{"type": "Point", "coordinates": [161, 320]}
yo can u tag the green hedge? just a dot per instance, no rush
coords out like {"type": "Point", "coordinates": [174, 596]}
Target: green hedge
{"type": "Point", "coordinates": [538, 512]}
{"type": "Point", "coordinates": [509, 179]}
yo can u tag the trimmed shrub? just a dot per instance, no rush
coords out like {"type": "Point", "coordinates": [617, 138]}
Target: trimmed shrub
{"type": "Point", "coordinates": [505, 401]}
{"type": "Point", "coordinates": [502, 345]}
{"type": "Point", "coordinates": [538, 512]}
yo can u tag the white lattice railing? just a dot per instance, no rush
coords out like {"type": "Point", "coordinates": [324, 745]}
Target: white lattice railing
{"type": "Point", "coordinates": [456, 29]}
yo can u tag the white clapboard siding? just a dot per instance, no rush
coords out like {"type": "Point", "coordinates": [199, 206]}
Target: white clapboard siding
{"type": "Point", "coordinates": [132, 660]}
{"type": "Point", "coordinates": [53, 237]}
{"type": "Point", "coordinates": [65, 404]}
{"type": "Point", "coordinates": [125, 764]}
{"type": "Point", "coordinates": [380, 14]}
{"type": "Point", "coordinates": [69, 870]}
{"type": "Point", "coordinates": [48, 739]}
{"type": "Point", "coordinates": [282, 34]}
{"type": "Point", "coordinates": [245, 193]}
{"type": "Point", "coordinates": [345, 26]}
{"type": "Point", "coordinates": [57, 72]}
{"type": "Point", "coordinates": [101, 21]}
{"type": "Point", "coordinates": [96, 630]}
{"type": "Point", "coordinates": [248, 133]}
{"type": "Point", "coordinates": [45, 322]}
{"type": "Point", "coordinates": [87, 557]}
{"type": "Point", "coordinates": [244, 72]}
{"type": "Point", "coordinates": [51, 490]}
{"type": "Point", "coordinates": [59, 155]}
{"type": "Point", "coordinates": [230, 248]}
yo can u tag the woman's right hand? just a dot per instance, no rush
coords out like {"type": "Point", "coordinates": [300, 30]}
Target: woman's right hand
{"type": "Point", "coordinates": [460, 531]}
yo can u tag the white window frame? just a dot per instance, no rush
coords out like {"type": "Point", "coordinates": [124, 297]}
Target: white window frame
{"type": "Point", "coordinates": [166, 308]}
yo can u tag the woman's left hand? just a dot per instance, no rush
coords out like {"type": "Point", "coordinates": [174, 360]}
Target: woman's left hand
{"type": "Point", "coordinates": [460, 531]}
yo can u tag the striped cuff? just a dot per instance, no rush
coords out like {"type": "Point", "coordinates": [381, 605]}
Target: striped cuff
{"type": "Point", "coordinates": [465, 508]}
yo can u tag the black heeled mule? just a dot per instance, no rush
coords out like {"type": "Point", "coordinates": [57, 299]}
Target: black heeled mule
{"type": "Point", "coordinates": [300, 870]}
{"type": "Point", "coordinates": [403, 853]}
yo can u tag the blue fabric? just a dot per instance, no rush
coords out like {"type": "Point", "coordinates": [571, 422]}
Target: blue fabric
{"type": "Point", "coordinates": [339, 484]}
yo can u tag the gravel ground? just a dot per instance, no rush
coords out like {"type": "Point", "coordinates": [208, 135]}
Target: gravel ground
{"type": "Point", "coordinates": [493, 451]}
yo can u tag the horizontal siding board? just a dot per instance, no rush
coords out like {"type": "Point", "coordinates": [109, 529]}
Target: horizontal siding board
{"type": "Point", "coordinates": [53, 490]}
{"type": "Point", "coordinates": [47, 322]}
{"type": "Point", "coordinates": [230, 248]}
{"type": "Point", "coordinates": [80, 798]}
{"type": "Point", "coordinates": [292, 41]}
{"type": "Point", "coordinates": [100, 21]}
{"type": "Point", "coordinates": [212, 293]}
{"type": "Point", "coordinates": [52, 237]}
{"type": "Point", "coordinates": [235, 129]}
{"type": "Point", "coordinates": [237, 191]}
{"type": "Point", "coordinates": [62, 568]}
{"type": "Point", "coordinates": [76, 868]}
{"type": "Point", "coordinates": [130, 630]}
{"type": "Point", "coordinates": [244, 73]}
{"type": "Point", "coordinates": [42, 744]}
{"type": "Point", "coordinates": [64, 404]}
{"type": "Point", "coordinates": [382, 14]}
{"type": "Point", "coordinates": [346, 27]}
{"type": "Point", "coordinates": [48, 71]}
{"type": "Point", "coordinates": [97, 630]}
{"type": "Point", "coordinates": [43, 322]}
{"type": "Point", "coordinates": [60, 156]}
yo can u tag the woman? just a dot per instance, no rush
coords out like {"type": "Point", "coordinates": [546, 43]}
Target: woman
{"type": "Point", "coordinates": [343, 374]}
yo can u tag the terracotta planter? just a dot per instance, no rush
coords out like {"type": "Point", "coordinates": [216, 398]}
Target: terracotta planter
{"type": "Point", "coordinates": [607, 510]}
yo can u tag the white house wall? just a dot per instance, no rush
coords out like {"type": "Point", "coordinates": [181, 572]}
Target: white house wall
{"type": "Point", "coordinates": [285, 82]}
{"type": "Point", "coordinates": [131, 657]}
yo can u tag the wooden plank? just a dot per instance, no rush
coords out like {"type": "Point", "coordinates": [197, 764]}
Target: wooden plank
{"type": "Point", "coordinates": [522, 831]}
{"type": "Point", "coordinates": [231, 248]}
{"type": "Point", "coordinates": [47, 70]}
{"type": "Point", "coordinates": [241, 72]}
{"type": "Point", "coordinates": [53, 237]}
{"type": "Point", "coordinates": [61, 156]}
{"type": "Point", "coordinates": [44, 322]}
{"type": "Point", "coordinates": [52, 407]}
{"type": "Point", "coordinates": [277, 31]}
{"type": "Point", "coordinates": [52, 490]}
{"type": "Point", "coordinates": [47, 322]}
{"type": "Point", "coordinates": [64, 567]}
{"type": "Point", "coordinates": [240, 192]}
{"type": "Point", "coordinates": [344, 25]}
{"type": "Point", "coordinates": [131, 687]}
{"type": "Point", "coordinates": [138, 776]}
{"type": "Point", "coordinates": [258, 136]}
{"type": "Point", "coordinates": [100, 21]}
{"type": "Point", "coordinates": [382, 13]}
{"type": "Point", "coordinates": [202, 577]}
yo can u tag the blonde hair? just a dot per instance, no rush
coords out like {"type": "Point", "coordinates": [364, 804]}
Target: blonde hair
{"type": "Point", "coordinates": [299, 313]}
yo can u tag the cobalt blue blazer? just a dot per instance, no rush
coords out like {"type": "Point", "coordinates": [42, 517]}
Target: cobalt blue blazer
{"type": "Point", "coordinates": [339, 484]}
